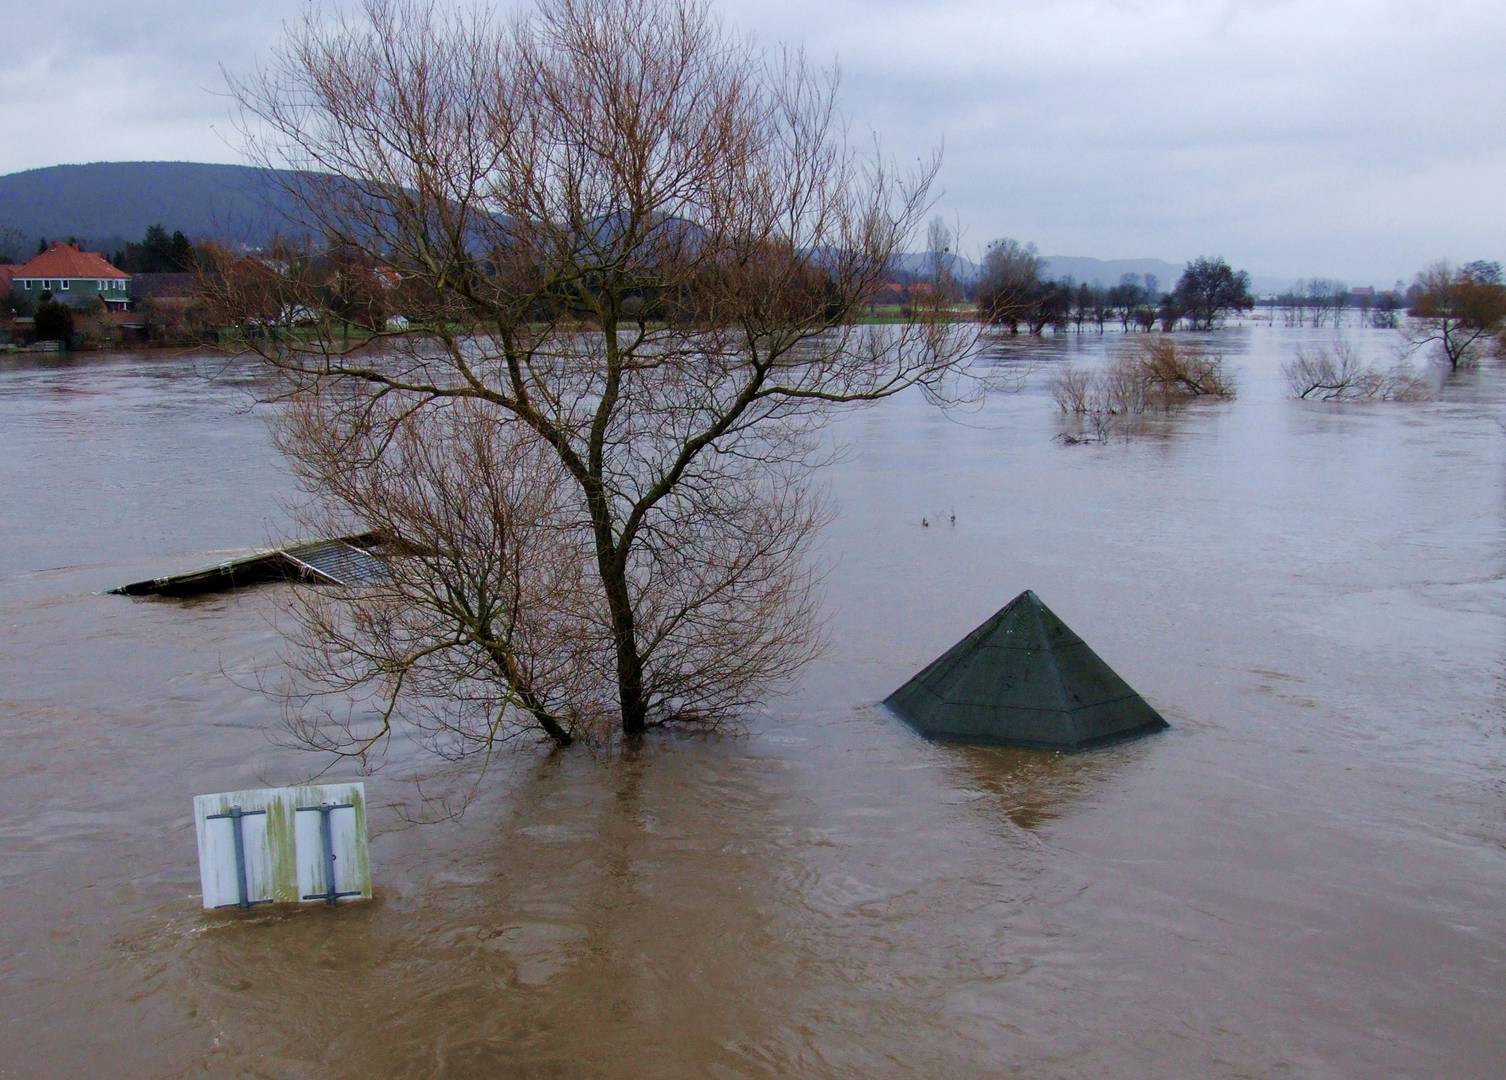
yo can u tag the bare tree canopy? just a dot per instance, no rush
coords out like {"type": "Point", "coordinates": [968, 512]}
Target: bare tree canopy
{"type": "Point", "coordinates": [1337, 373]}
{"type": "Point", "coordinates": [1460, 312]}
{"type": "Point", "coordinates": [1158, 374]}
{"type": "Point", "coordinates": [1010, 285]}
{"type": "Point", "coordinates": [636, 248]}
{"type": "Point", "coordinates": [1208, 288]}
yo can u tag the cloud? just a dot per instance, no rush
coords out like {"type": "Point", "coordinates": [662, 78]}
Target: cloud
{"type": "Point", "coordinates": [1295, 137]}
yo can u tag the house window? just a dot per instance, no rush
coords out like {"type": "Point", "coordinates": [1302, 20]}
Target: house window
{"type": "Point", "coordinates": [64, 284]}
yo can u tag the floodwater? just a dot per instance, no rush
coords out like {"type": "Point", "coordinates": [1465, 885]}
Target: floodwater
{"type": "Point", "coordinates": [1303, 877]}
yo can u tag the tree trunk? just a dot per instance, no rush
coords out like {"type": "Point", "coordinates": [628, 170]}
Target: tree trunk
{"type": "Point", "coordinates": [625, 639]}
{"type": "Point", "coordinates": [507, 664]}
{"type": "Point", "coordinates": [611, 567]}
{"type": "Point", "coordinates": [561, 737]}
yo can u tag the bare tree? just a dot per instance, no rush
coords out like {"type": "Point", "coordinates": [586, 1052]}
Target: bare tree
{"type": "Point", "coordinates": [1072, 389]}
{"type": "Point", "coordinates": [1009, 286]}
{"type": "Point", "coordinates": [1338, 373]}
{"type": "Point", "coordinates": [1364, 299]}
{"type": "Point", "coordinates": [1327, 299]}
{"type": "Point", "coordinates": [1125, 297]}
{"type": "Point", "coordinates": [13, 245]}
{"type": "Point", "coordinates": [1293, 304]}
{"type": "Point", "coordinates": [1458, 311]}
{"type": "Point", "coordinates": [1158, 374]}
{"type": "Point", "coordinates": [1208, 288]}
{"type": "Point", "coordinates": [1330, 374]}
{"type": "Point", "coordinates": [482, 622]}
{"type": "Point", "coordinates": [638, 248]}
{"type": "Point", "coordinates": [1383, 315]}
{"type": "Point", "coordinates": [942, 259]}
{"type": "Point", "coordinates": [1178, 373]}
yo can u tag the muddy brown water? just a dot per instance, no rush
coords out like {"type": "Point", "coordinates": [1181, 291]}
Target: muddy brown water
{"type": "Point", "coordinates": [1304, 876]}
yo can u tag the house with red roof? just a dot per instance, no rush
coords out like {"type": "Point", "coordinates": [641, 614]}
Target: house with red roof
{"type": "Point", "coordinates": [73, 277]}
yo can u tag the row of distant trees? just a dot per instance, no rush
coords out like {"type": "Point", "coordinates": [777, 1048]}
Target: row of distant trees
{"type": "Point", "coordinates": [1325, 302]}
{"type": "Point", "coordinates": [1013, 292]}
{"type": "Point", "coordinates": [1460, 312]}
{"type": "Point", "coordinates": [157, 252]}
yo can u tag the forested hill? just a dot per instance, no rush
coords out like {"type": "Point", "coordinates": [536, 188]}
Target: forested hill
{"type": "Point", "coordinates": [108, 203]}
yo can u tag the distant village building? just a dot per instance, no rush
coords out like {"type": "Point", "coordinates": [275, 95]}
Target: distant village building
{"type": "Point", "coordinates": [899, 292]}
{"type": "Point", "coordinates": [76, 278]}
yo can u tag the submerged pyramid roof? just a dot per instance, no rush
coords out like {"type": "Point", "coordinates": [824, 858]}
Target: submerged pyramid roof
{"type": "Point", "coordinates": [1024, 678]}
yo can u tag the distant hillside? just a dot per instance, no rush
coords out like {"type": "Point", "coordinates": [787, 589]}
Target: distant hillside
{"type": "Point", "coordinates": [918, 265]}
{"type": "Point", "coordinates": [107, 203]}
{"type": "Point", "coordinates": [1109, 271]}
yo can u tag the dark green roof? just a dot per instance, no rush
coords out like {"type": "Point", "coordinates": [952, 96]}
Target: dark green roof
{"type": "Point", "coordinates": [1023, 677]}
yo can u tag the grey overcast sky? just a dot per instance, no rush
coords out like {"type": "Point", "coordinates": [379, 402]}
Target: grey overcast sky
{"type": "Point", "coordinates": [1357, 139]}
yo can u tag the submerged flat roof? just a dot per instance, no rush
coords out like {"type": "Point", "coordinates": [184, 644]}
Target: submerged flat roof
{"type": "Point", "coordinates": [345, 560]}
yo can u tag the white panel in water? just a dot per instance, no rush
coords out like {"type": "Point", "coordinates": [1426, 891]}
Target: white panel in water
{"type": "Point", "coordinates": [347, 841]}
{"type": "Point", "coordinates": [284, 850]}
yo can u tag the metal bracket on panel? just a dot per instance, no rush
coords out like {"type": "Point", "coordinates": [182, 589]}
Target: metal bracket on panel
{"type": "Point", "coordinates": [235, 813]}
{"type": "Point", "coordinates": [326, 838]}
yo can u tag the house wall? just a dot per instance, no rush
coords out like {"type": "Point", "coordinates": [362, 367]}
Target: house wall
{"type": "Point", "coordinates": [80, 292]}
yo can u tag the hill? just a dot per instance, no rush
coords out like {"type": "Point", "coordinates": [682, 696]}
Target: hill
{"type": "Point", "coordinates": [1109, 271]}
{"type": "Point", "coordinates": [105, 204]}
{"type": "Point", "coordinates": [919, 266]}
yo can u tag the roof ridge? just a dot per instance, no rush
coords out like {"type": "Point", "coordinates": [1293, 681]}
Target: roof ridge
{"type": "Point", "coordinates": [62, 260]}
{"type": "Point", "coordinates": [1059, 682]}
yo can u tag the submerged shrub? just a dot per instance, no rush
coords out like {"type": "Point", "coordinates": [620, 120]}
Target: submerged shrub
{"type": "Point", "coordinates": [1072, 388]}
{"type": "Point", "coordinates": [1159, 375]}
{"type": "Point", "coordinates": [1175, 374]}
{"type": "Point", "coordinates": [1336, 373]}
